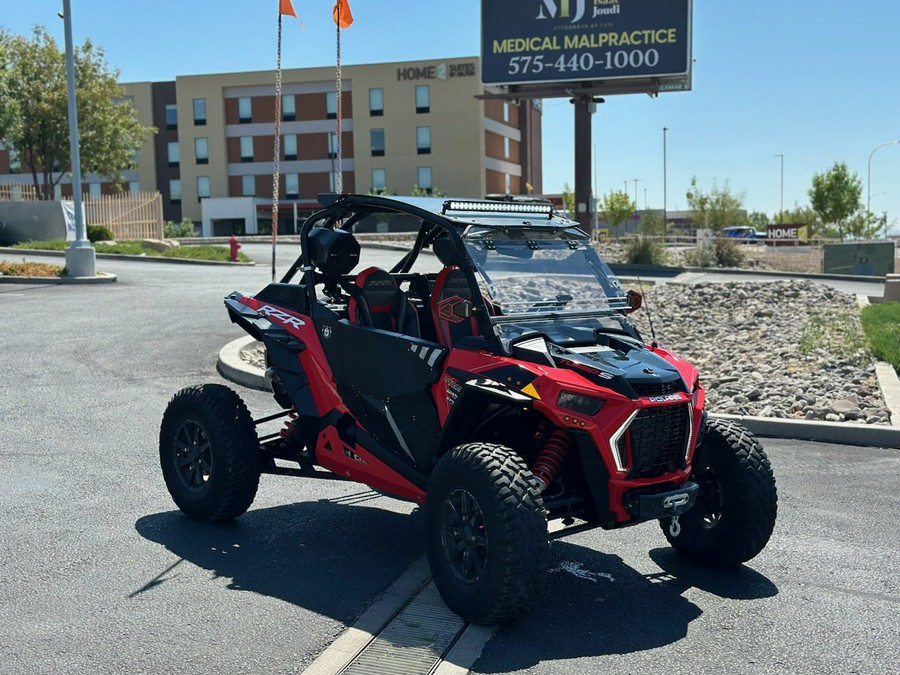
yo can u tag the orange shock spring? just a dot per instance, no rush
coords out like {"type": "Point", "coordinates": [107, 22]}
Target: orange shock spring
{"type": "Point", "coordinates": [552, 456]}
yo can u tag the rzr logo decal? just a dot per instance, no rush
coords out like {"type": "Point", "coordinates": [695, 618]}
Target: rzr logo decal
{"type": "Point", "coordinates": [281, 317]}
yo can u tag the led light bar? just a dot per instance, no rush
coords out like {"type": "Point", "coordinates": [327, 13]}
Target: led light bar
{"type": "Point", "coordinates": [497, 207]}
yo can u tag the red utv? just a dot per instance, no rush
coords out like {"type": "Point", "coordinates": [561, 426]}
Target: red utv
{"type": "Point", "coordinates": [504, 391]}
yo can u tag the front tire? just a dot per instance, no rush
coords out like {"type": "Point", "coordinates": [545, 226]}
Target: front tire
{"type": "Point", "coordinates": [734, 514]}
{"type": "Point", "coordinates": [486, 534]}
{"type": "Point", "coordinates": [209, 453]}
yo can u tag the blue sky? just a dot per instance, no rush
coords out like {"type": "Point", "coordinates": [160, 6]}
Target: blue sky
{"type": "Point", "coordinates": [815, 81]}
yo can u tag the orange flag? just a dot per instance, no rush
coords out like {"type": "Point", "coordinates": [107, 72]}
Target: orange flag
{"type": "Point", "coordinates": [287, 9]}
{"type": "Point", "coordinates": [343, 17]}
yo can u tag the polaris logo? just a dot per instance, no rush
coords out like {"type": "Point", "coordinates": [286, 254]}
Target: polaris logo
{"type": "Point", "coordinates": [664, 399]}
{"type": "Point", "coordinates": [281, 317]}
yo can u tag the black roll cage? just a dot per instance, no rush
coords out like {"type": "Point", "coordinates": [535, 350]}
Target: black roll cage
{"type": "Point", "coordinates": [345, 211]}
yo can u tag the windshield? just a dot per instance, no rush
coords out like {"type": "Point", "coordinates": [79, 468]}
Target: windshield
{"type": "Point", "coordinates": [540, 274]}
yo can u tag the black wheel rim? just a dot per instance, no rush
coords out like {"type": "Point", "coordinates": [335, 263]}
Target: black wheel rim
{"type": "Point", "coordinates": [463, 536]}
{"type": "Point", "coordinates": [708, 508]}
{"type": "Point", "coordinates": [193, 456]}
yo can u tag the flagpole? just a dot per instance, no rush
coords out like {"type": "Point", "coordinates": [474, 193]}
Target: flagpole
{"type": "Point", "coordinates": [339, 179]}
{"type": "Point", "coordinates": [277, 161]}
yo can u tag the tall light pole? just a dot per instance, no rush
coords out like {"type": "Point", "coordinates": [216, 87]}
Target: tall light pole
{"type": "Point", "coordinates": [665, 210]}
{"type": "Point", "coordinates": [635, 181]}
{"type": "Point", "coordinates": [869, 181]}
{"type": "Point", "coordinates": [781, 206]}
{"type": "Point", "coordinates": [81, 260]}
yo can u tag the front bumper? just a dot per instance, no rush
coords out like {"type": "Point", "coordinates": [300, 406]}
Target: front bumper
{"type": "Point", "coordinates": [653, 503]}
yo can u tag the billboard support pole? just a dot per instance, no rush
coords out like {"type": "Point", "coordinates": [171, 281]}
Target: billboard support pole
{"type": "Point", "coordinates": [584, 107]}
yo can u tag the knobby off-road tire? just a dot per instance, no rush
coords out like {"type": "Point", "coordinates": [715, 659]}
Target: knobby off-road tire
{"type": "Point", "coordinates": [734, 514]}
{"type": "Point", "coordinates": [209, 453]}
{"type": "Point", "coordinates": [486, 533]}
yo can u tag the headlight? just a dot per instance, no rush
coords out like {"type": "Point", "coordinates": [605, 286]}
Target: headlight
{"type": "Point", "coordinates": [580, 404]}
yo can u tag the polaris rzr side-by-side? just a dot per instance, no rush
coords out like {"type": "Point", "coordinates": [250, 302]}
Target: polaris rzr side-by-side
{"type": "Point", "coordinates": [505, 390]}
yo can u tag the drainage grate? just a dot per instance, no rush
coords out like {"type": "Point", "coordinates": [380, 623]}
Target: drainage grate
{"type": "Point", "coordinates": [413, 643]}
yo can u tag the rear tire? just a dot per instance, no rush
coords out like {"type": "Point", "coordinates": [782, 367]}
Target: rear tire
{"type": "Point", "coordinates": [735, 511]}
{"type": "Point", "coordinates": [209, 453]}
{"type": "Point", "coordinates": [486, 533]}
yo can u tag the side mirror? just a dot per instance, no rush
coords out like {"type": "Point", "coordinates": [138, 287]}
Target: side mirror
{"type": "Point", "coordinates": [635, 301]}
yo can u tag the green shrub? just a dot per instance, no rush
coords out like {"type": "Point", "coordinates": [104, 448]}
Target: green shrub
{"type": "Point", "coordinates": [179, 230]}
{"type": "Point", "coordinates": [644, 251]}
{"type": "Point", "coordinates": [99, 233]}
{"type": "Point", "coordinates": [727, 252]}
{"type": "Point", "coordinates": [723, 252]}
{"type": "Point", "coordinates": [881, 324]}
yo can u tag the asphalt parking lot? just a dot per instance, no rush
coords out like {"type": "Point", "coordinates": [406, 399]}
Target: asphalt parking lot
{"type": "Point", "coordinates": [100, 574]}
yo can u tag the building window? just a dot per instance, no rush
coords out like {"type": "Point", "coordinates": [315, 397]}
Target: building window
{"type": "Point", "coordinates": [290, 147]}
{"type": "Point", "coordinates": [201, 150]}
{"type": "Point", "coordinates": [200, 112]}
{"type": "Point", "coordinates": [288, 108]}
{"type": "Point", "coordinates": [246, 148]}
{"type": "Point", "coordinates": [424, 178]}
{"type": "Point", "coordinates": [248, 186]}
{"type": "Point", "coordinates": [379, 179]}
{"type": "Point", "coordinates": [423, 98]}
{"type": "Point", "coordinates": [173, 154]}
{"type": "Point", "coordinates": [423, 140]}
{"type": "Point", "coordinates": [202, 187]}
{"type": "Point", "coordinates": [506, 147]}
{"type": "Point", "coordinates": [505, 111]}
{"type": "Point", "coordinates": [331, 105]}
{"type": "Point", "coordinates": [377, 136]}
{"type": "Point", "coordinates": [94, 189]}
{"type": "Point", "coordinates": [507, 184]}
{"type": "Point", "coordinates": [171, 116]}
{"type": "Point", "coordinates": [376, 102]}
{"type": "Point", "coordinates": [175, 191]}
{"type": "Point", "coordinates": [134, 186]}
{"type": "Point", "coordinates": [332, 145]}
{"type": "Point", "coordinates": [15, 163]}
{"type": "Point", "coordinates": [292, 185]}
{"type": "Point", "coordinates": [245, 110]}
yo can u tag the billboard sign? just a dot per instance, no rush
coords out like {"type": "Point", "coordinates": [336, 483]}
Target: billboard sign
{"type": "Point", "coordinates": [795, 232]}
{"type": "Point", "coordinates": [547, 41]}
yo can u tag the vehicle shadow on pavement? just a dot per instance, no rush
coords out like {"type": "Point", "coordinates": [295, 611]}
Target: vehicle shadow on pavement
{"type": "Point", "coordinates": [331, 557]}
{"type": "Point", "coordinates": [596, 605]}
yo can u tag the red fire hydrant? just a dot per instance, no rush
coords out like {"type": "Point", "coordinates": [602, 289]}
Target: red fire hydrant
{"type": "Point", "coordinates": [235, 247]}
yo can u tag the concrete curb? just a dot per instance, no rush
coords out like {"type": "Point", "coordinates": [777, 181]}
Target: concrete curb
{"type": "Point", "coordinates": [138, 258]}
{"type": "Point", "coordinates": [672, 271]}
{"type": "Point", "coordinates": [233, 368]}
{"type": "Point", "coordinates": [101, 278]}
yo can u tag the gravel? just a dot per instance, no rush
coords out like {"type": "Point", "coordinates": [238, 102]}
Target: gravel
{"type": "Point", "coordinates": [785, 349]}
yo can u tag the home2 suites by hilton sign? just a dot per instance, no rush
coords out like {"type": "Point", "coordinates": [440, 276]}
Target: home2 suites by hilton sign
{"type": "Point", "coordinates": [545, 41]}
{"type": "Point", "coordinates": [441, 71]}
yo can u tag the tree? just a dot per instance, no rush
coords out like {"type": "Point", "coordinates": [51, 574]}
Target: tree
{"type": "Point", "coordinates": [568, 198]}
{"type": "Point", "coordinates": [760, 220]}
{"type": "Point", "coordinates": [652, 224]}
{"type": "Point", "coordinates": [835, 195]}
{"type": "Point", "coordinates": [8, 108]}
{"type": "Point", "coordinates": [717, 209]}
{"type": "Point", "coordinates": [37, 123]}
{"type": "Point", "coordinates": [616, 208]}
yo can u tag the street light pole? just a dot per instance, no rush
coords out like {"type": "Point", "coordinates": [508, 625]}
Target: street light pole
{"type": "Point", "coordinates": [635, 181]}
{"type": "Point", "coordinates": [869, 181]}
{"type": "Point", "coordinates": [665, 210]}
{"type": "Point", "coordinates": [81, 259]}
{"type": "Point", "coordinates": [781, 206]}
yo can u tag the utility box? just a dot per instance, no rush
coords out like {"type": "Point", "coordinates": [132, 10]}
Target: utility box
{"type": "Point", "coordinates": [867, 259]}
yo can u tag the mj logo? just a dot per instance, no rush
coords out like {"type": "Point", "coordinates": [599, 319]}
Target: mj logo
{"type": "Point", "coordinates": [561, 9]}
